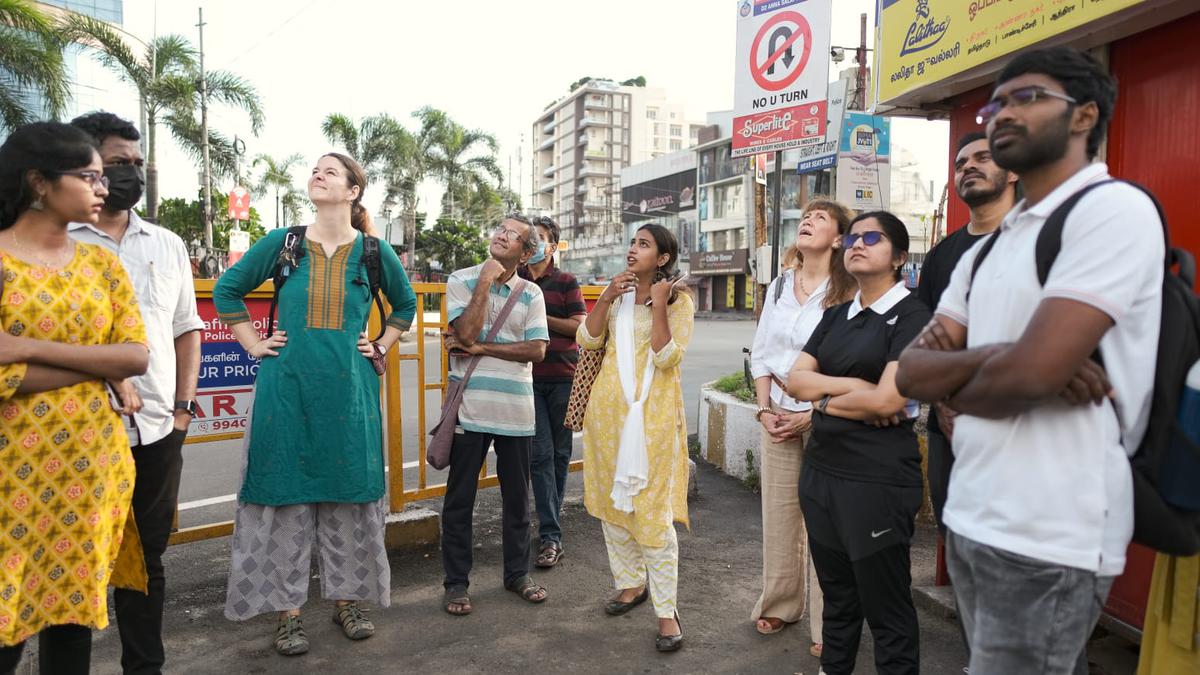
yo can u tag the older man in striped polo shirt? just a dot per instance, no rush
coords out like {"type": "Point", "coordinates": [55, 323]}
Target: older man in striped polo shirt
{"type": "Point", "coordinates": [497, 407]}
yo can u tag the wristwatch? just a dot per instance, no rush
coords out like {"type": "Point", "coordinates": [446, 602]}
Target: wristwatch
{"type": "Point", "coordinates": [188, 407]}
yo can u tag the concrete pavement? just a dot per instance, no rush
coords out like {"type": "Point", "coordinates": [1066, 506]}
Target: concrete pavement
{"type": "Point", "coordinates": [719, 582]}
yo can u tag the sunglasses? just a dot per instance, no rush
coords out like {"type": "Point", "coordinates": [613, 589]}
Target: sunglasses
{"type": "Point", "coordinates": [92, 178]}
{"type": "Point", "coordinates": [868, 238]}
{"type": "Point", "coordinates": [1017, 98]}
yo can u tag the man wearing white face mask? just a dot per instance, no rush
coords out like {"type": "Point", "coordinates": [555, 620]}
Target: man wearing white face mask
{"type": "Point", "coordinates": [552, 387]}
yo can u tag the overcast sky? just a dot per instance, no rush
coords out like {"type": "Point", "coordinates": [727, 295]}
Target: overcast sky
{"type": "Point", "coordinates": [491, 65]}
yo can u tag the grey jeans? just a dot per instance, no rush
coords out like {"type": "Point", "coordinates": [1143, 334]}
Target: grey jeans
{"type": "Point", "coordinates": [1023, 615]}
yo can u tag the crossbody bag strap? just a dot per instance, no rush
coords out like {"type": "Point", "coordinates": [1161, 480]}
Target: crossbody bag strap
{"type": "Point", "coordinates": [495, 330]}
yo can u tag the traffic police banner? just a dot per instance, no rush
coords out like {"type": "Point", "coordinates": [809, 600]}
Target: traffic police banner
{"type": "Point", "coordinates": [781, 75]}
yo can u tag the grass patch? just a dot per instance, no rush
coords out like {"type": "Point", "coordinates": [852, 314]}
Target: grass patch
{"type": "Point", "coordinates": [752, 481]}
{"type": "Point", "coordinates": [735, 385]}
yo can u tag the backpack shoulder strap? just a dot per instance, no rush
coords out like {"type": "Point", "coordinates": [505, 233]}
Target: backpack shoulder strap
{"type": "Point", "coordinates": [372, 263]}
{"type": "Point", "coordinates": [778, 286]}
{"type": "Point", "coordinates": [286, 262]}
{"type": "Point", "coordinates": [985, 249]}
{"type": "Point", "coordinates": [1049, 240]}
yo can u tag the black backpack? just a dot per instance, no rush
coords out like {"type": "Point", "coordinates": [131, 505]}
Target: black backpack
{"type": "Point", "coordinates": [1157, 524]}
{"type": "Point", "coordinates": [289, 259]}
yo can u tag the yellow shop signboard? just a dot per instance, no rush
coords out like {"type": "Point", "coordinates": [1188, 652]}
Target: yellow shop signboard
{"type": "Point", "coordinates": [923, 42]}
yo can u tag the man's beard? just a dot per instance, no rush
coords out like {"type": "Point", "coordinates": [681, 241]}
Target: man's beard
{"type": "Point", "coordinates": [1028, 151]}
{"type": "Point", "coordinates": [980, 195]}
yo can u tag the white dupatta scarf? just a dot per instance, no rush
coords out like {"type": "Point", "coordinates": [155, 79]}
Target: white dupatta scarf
{"type": "Point", "coordinates": [633, 465]}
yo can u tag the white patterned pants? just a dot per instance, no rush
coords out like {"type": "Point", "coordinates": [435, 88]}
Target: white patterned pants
{"type": "Point", "coordinates": [633, 565]}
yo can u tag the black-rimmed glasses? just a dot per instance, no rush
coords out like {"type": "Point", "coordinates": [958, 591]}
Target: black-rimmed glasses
{"type": "Point", "coordinates": [1017, 98]}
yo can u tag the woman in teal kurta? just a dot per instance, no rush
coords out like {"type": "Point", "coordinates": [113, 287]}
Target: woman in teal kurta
{"type": "Point", "coordinates": [314, 449]}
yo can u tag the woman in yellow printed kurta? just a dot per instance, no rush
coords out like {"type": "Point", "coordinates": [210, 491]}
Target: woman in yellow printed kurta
{"type": "Point", "coordinates": [639, 532]}
{"type": "Point", "coordinates": [70, 321]}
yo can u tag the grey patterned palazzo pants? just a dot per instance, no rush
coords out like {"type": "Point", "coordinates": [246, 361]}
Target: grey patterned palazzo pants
{"type": "Point", "coordinates": [272, 555]}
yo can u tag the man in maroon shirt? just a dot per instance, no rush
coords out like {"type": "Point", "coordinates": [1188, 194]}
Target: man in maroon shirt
{"type": "Point", "coordinates": [552, 388]}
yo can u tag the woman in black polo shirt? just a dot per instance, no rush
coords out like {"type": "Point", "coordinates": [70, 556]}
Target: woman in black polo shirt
{"type": "Point", "coordinates": [860, 487]}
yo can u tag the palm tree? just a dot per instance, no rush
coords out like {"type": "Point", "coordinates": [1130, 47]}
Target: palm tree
{"type": "Point", "coordinates": [389, 152]}
{"type": "Point", "coordinates": [31, 62]}
{"type": "Point", "coordinates": [464, 159]}
{"type": "Point", "coordinates": [276, 176]}
{"type": "Point", "coordinates": [167, 78]}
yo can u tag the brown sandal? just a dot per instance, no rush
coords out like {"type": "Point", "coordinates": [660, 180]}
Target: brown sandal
{"type": "Point", "coordinates": [774, 625]}
{"type": "Point", "coordinates": [549, 554]}
{"type": "Point", "coordinates": [528, 590]}
{"type": "Point", "coordinates": [457, 596]}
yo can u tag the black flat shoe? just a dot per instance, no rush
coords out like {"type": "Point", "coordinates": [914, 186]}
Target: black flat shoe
{"type": "Point", "coordinates": [670, 643]}
{"type": "Point", "coordinates": [617, 608]}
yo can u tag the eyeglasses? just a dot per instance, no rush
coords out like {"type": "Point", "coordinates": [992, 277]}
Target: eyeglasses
{"type": "Point", "coordinates": [511, 235]}
{"type": "Point", "coordinates": [1017, 98]}
{"type": "Point", "coordinates": [868, 238]}
{"type": "Point", "coordinates": [89, 177]}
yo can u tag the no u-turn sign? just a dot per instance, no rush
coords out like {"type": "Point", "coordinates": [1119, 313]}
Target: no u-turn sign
{"type": "Point", "coordinates": [782, 73]}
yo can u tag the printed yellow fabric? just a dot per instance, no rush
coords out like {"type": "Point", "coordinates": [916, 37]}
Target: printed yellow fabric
{"type": "Point", "coordinates": [1170, 645]}
{"type": "Point", "coordinates": [66, 472]}
{"type": "Point", "coordinates": [666, 427]}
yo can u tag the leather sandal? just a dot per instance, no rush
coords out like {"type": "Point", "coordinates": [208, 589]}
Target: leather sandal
{"type": "Point", "coordinates": [774, 625]}
{"type": "Point", "coordinates": [549, 554]}
{"type": "Point", "coordinates": [528, 589]}
{"type": "Point", "coordinates": [456, 601]}
{"type": "Point", "coordinates": [616, 608]}
{"type": "Point", "coordinates": [670, 643]}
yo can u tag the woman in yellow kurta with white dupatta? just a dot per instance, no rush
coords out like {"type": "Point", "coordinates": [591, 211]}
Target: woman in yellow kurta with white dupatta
{"type": "Point", "coordinates": [636, 477]}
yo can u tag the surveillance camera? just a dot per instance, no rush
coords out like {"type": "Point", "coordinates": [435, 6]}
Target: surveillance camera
{"type": "Point", "coordinates": [838, 54]}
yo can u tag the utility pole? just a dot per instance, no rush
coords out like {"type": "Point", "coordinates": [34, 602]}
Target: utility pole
{"type": "Point", "coordinates": [861, 55]}
{"type": "Point", "coordinates": [208, 215]}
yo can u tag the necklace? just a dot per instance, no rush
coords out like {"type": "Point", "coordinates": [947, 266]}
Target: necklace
{"type": "Point", "coordinates": [800, 280]}
{"type": "Point", "coordinates": [58, 264]}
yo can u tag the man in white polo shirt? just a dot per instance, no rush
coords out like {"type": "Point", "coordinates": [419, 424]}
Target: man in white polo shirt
{"type": "Point", "coordinates": [158, 266]}
{"type": "Point", "coordinates": [1040, 506]}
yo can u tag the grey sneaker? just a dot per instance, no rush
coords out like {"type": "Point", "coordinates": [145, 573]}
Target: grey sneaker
{"type": "Point", "coordinates": [290, 639]}
{"type": "Point", "coordinates": [354, 624]}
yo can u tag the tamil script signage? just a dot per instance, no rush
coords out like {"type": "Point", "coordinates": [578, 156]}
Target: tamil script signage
{"type": "Point", "coordinates": [658, 197]}
{"type": "Point", "coordinates": [924, 42]}
{"type": "Point", "coordinates": [710, 263]}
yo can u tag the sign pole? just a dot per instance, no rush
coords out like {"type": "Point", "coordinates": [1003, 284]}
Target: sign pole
{"type": "Point", "coordinates": [760, 238]}
{"type": "Point", "coordinates": [776, 213]}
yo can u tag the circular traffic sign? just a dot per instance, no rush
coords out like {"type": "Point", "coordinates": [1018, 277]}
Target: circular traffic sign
{"type": "Point", "coordinates": [781, 57]}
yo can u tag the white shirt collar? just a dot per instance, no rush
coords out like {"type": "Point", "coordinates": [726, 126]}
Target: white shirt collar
{"type": "Point", "coordinates": [881, 306]}
{"type": "Point", "coordinates": [136, 226]}
{"type": "Point", "coordinates": [1042, 210]}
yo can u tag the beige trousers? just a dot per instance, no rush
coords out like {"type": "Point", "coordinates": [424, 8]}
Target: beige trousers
{"type": "Point", "coordinates": [789, 579]}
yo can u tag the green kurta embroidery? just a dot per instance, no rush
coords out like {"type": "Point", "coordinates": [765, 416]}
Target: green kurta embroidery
{"type": "Point", "coordinates": [315, 430]}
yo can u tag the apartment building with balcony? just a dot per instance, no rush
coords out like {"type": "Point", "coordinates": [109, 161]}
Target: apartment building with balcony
{"type": "Point", "coordinates": [580, 144]}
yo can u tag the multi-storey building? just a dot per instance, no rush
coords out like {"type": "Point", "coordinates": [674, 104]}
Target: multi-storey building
{"type": "Point", "coordinates": [580, 144]}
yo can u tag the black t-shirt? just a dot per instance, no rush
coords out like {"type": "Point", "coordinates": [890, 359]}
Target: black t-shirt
{"type": "Point", "coordinates": [862, 347]}
{"type": "Point", "coordinates": [935, 277]}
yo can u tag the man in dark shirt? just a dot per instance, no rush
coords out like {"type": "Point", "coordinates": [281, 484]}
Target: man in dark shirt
{"type": "Point", "coordinates": [990, 193]}
{"type": "Point", "coordinates": [552, 389]}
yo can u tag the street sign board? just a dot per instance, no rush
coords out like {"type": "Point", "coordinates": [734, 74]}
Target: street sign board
{"type": "Point", "coordinates": [781, 74]}
{"type": "Point", "coordinates": [820, 156]}
{"type": "Point", "coordinates": [239, 203]}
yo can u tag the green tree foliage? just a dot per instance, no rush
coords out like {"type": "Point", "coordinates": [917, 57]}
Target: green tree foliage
{"type": "Point", "coordinates": [639, 81]}
{"type": "Point", "coordinates": [186, 219]}
{"type": "Point", "coordinates": [276, 180]}
{"type": "Point", "coordinates": [453, 244]}
{"type": "Point", "coordinates": [166, 75]}
{"type": "Point", "coordinates": [31, 64]}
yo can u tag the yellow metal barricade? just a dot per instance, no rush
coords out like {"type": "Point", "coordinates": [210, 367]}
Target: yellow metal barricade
{"type": "Point", "coordinates": [395, 380]}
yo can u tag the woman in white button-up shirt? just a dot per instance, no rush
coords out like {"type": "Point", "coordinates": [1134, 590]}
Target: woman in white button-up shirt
{"type": "Point", "coordinates": [813, 279]}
